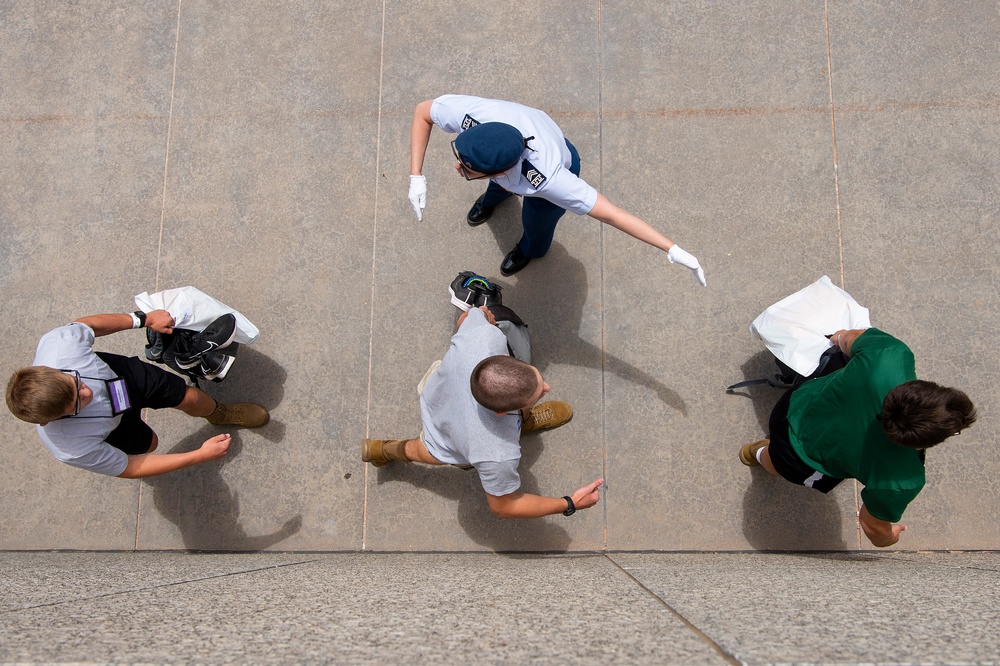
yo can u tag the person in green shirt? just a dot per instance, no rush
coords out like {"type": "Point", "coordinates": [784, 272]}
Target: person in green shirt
{"type": "Point", "coordinates": [871, 420]}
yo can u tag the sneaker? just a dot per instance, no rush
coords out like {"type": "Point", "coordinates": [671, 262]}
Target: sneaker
{"type": "Point", "coordinates": [748, 452]}
{"type": "Point", "coordinates": [546, 416]}
{"type": "Point", "coordinates": [154, 345]}
{"type": "Point", "coordinates": [215, 365]}
{"type": "Point", "coordinates": [465, 289]}
{"type": "Point", "coordinates": [489, 296]}
{"type": "Point", "coordinates": [217, 335]}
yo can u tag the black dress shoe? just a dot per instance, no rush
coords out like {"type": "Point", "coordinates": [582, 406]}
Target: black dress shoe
{"type": "Point", "coordinates": [514, 261]}
{"type": "Point", "coordinates": [479, 213]}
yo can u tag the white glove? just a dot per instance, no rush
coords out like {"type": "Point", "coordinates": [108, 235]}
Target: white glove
{"type": "Point", "coordinates": [418, 195]}
{"type": "Point", "coordinates": [678, 256]}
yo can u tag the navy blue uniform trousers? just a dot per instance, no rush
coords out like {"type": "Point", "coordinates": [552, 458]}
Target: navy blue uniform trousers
{"type": "Point", "coordinates": [538, 216]}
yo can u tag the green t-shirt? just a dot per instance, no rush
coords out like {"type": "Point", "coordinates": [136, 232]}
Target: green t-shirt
{"type": "Point", "coordinates": [833, 425]}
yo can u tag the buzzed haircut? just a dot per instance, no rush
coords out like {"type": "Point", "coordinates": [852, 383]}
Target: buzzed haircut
{"type": "Point", "coordinates": [503, 383]}
{"type": "Point", "coordinates": [920, 414]}
{"type": "Point", "coordinates": [38, 394]}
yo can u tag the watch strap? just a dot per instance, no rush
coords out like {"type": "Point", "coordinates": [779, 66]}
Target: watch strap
{"type": "Point", "coordinates": [571, 508]}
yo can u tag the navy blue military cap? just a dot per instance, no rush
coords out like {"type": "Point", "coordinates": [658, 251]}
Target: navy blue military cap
{"type": "Point", "coordinates": [490, 147]}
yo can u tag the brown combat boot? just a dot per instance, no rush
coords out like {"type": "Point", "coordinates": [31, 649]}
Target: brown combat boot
{"type": "Point", "coordinates": [246, 414]}
{"type": "Point", "coordinates": [381, 452]}
{"type": "Point", "coordinates": [748, 452]}
{"type": "Point", "coordinates": [546, 416]}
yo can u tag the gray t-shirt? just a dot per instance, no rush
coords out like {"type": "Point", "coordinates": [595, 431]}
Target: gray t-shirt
{"type": "Point", "coordinates": [79, 441]}
{"type": "Point", "coordinates": [457, 429]}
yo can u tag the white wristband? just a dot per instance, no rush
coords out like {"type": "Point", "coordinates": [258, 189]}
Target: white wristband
{"type": "Point", "coordinates": [135, 321]}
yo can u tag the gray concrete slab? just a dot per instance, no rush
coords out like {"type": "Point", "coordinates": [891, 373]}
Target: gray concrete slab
{"type": "Point", "coordinates": [918, 170]}
{"type": "Point", "coordinates": [84, 113]}
{"type": "Point", "coordinates": [705, 59]}
{"type": "Point", "coordinates": [925, 53]}
{"type": "Point", "coordinates": [921, 198]}
{"type": "Point", "coordinates": [737, 167]}
{"type": "Point", "coordinates": [269, 206]}
{"type": "Point", "coordinates": [833, 608]}
{"type": "Point", "coordinates": [349, 608]}
{"type": "Point", "coordinates": [37, 580]}
{"type": "Point", "coordinates": [72, 63]}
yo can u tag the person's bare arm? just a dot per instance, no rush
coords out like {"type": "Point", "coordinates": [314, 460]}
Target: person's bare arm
{"type": "Point", "coordinates": [844, 339]}
{"type": "Point", "coordinates": [610, 214]}
{"type": "Point", "coordinates": [153, 464]}
{"type": "Point", "coordinates": [106, 324]}
{"type": "Point", "coordinates": [420, 134]}
{"type": "Point", "coordinates": [880, 532]}
{"type": "Point", "coordinates": [526, 505]}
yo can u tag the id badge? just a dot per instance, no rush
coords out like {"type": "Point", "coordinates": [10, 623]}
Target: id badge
{"type": "Point", "coordinates": [118, 393]}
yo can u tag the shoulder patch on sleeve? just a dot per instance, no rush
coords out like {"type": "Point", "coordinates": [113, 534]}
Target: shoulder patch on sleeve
{"type": "Point", "coordinates": [531, 174]}
{"type": "Point", "coordinates": [468, 121]}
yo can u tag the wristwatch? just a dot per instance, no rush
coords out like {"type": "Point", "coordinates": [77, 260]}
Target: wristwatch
{"type": "Point", "coordinates": [141, 316]}
{"type": "Point", "coordinates": [571, 507]}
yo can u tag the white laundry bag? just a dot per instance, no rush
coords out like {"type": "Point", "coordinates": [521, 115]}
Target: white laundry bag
{"type": "Point", "coordinates": [795, 328]}
{"type": "Point", "coordinates": [193, 309]}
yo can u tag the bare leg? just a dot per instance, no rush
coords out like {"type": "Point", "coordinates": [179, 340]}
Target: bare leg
{"type": "Point", "coordinates": [197, 403]}
{"type": "Point", "coordinates": [765, 461]}
{"type": "Point", "coordinates": [417, 452]}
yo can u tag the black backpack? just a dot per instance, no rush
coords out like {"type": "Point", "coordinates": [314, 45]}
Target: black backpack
{"type": "Point", "coordinates": [832, 359]}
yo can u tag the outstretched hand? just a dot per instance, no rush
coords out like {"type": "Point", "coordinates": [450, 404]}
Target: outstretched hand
{"type": "Point", "coordinates": [676, 255]}
{"type": "Point", "coordinates": [216, 447]}
{"type": "Point", "coordinates": [418, 195]}
{"type": "Point", "coordinates": [588, 495]}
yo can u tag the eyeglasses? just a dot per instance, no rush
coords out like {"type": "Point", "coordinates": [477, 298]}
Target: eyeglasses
{"type": "Point", "coordinates": [76, 376]}
{"type": "Point", "coordinates": [461, 165]}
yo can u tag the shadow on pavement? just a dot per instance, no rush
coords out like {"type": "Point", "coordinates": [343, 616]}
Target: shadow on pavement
{"type": "Point", "coordinates": [199, 502]}
{"type": "Point", "coordinates": [254, 377]}
{"type": "Point", "coordinates": [197, 499]}
{"type": "Point", "coordinates": [763, 397]}
{"type": "Point", "coordinates": [552, 303]}
{"type": "Point", "coordinates": [778, 515]}
{"type": "Point", "coordinates": [474, 513]}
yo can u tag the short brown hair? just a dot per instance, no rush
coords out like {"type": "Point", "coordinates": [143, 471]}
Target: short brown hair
{"type": "Point", "coordinates": [920, 414]}
{"type": "Point", "coordinates": [503, 383]}
{"type": "Point", "coordinates": [39, 394]}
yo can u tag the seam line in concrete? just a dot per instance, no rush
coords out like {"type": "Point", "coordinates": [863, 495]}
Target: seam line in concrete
{"type": "Point", "coordinates": [840, 227]}
{"type": "Point", "coordinates": [833, 141]}
{"type": "Point", "coordinates": [154, 587]}
{"type": "Point", "coordinates": [600, 237]}
{"type": "Point", "coordinates": [163, 216]}
{"type": "Point", "coordinates": [371, 320]}
{"type": "Point", "coordinates": [722, 652]}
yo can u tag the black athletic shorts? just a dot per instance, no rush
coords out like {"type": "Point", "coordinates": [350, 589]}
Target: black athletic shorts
{"type": "Point", "coordinates": [148, 386]}
{"type": "Point", "coordinates": [784, 458]}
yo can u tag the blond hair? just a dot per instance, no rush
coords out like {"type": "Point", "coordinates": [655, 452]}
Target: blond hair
{"type": "Point", "coordinates": [39, 394]}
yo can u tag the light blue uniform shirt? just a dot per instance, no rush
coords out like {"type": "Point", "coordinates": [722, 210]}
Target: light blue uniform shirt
{"type": "Point", "coordinates": [543, 170]}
